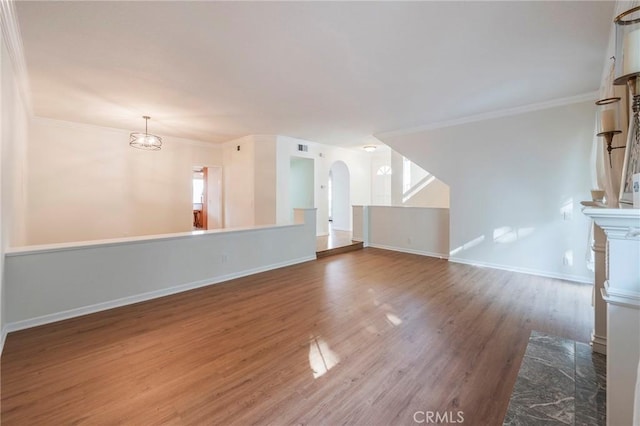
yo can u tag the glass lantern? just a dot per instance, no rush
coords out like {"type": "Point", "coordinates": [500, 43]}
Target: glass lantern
{"type": "Point", "coordinates": [608, 116]}
{"type": "Point", "coordinates": [627, 46]}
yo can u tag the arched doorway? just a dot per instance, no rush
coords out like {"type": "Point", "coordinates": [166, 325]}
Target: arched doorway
{"type": "Point", "coordinates": [339, 196]}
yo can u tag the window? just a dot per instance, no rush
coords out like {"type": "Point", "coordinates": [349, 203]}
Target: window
{"type": "Point", "coordinates": [406, 174]}
{"type": "Point", "coordinates": [384, 171]}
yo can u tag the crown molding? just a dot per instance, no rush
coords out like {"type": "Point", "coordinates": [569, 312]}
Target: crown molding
{"type": "Point", "coordinates": [125, 133]}
{"type": "Point", "coordinates": [13, 42]}
{"type": "Point", "coordinates": [591, 96]}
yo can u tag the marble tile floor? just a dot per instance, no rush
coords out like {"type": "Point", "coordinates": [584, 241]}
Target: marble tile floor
{"type": "Point", "coordinates": [560, 382]}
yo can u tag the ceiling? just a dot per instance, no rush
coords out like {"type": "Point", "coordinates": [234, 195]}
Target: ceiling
{"type": "Point", "coordinates": [330, 72]}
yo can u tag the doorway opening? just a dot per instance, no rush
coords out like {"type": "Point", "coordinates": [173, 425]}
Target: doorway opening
{"type": "Point", "coordinates": [339, 197]}
{"type": "Point", "coordinates": [207, 198]}
{"type": "Point", "coordinates": [339, 236]}
{"type": "Point", "coordinates": [302, 178]}
{"type": "Point", "coordinates": [199, 198]}
{"type": "Point", "coordinates": [330, 195]}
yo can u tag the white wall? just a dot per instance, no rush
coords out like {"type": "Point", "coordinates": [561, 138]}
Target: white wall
{"type": "Point", "coordinates": [381, 183]}
{"type": "Point", "coordinates": [239, 188]}
{"type": "Point", "coordinates": [358, 162]}
{"type": "Point", "coordinates": [417, 230]}
{"type": "Point", "coordinates": [51, 283]}
{"type": "Point", "coordinates": [13, 168]}
{"type": "Point", "coordinates": [301, 180]}
{"type": "Point", "coordinates": [215, 218]}
{"type": "Point", "coordinates": [265, 180]}
{"type": "Point", "coordinates": [387, 190]}
{"type": "Point", "coordinates": [250, 181]}
{"type": "Point", "coordinates": [435, 194]}
{"type": "Point", "coordinates": [86, 182]}
{"type": "Point", "coordinates": [340, 197]}
{"type": "Point", "coordinates": [516, 185]}
{"type": "Point", "coordinates": [257, 179]}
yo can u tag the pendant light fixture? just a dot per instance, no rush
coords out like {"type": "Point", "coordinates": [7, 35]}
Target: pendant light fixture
{"type": "Point", "coordinates": [145, 140]}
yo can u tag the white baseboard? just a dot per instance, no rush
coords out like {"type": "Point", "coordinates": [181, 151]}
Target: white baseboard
{"type": "Point", "coordinates": [599, 344]}
{"type": "Point", "coordinates": [537, 272]}
{"type": "Point", "coordinates": [129, 300]}
{"type": "Point", "coordinates": [410, 251]}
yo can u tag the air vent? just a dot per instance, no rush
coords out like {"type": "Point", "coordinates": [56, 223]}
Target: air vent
{"type": "Point", "coordinates": [303, 148]}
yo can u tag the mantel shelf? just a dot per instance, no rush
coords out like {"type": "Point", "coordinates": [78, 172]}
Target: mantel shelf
{"type": "Point", "coordinates": [616, 223]}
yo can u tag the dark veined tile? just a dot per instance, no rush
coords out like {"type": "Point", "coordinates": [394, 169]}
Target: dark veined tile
{"type": "Point", "coordinates": [560, 382]}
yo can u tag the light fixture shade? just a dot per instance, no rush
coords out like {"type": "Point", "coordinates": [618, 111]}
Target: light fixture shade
{"type": "Point", "coordinates": [369, 148]}
{"type": "Point", "coordinates": [627, 45]}
{"type": "Point", "coordinates": [145, 140]}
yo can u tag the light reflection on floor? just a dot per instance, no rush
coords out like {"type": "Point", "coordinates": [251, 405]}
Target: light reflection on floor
{"type": "Point", "coordinates": [333, 239]}
{"type": "Point", "coordinates": [321, 357]}
{"type": "Point", "coordinates": [394, 320]}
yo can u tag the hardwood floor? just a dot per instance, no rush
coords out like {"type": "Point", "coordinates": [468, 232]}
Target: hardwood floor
{"type": "Point", "coordinates": [333, 239]}
{"type": "Point", "coordinates": [367, 338]}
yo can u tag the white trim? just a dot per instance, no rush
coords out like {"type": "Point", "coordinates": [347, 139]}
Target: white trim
{"type": "Point", "coordinates": [3, 338]}
{"type": "Point", "coordinates": [618, 224]}
{"type": "Point", "coordinates": [537, 272]}
{"type": "Point", "coordinates": [129, 300]}
{"type": "Point", "coordinates": [591, 96]}
{"type": "Point", "coordinates": [410, 251]}
{"type": "Point", "coordinates": [144, 239]}
{"type": "Point", "coordinates": [614, 296]}
{"type": "Point", "coordinates": [599, 344]}
{"type": "Point", "coordinates": [13, 41]}
{"type": "Point", "coordinates": [165, 137]}
{"type": "Point", "coordinates": [599, 248]}
{"type": "Point", "coordinates": [405, 207]}
{"type": "Point", "coordinates": [36, 119]}
{"type": "Point", "coordinates": [340, 229]}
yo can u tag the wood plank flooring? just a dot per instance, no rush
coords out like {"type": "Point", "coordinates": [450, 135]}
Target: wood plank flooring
{"type": "Point", "coordinates": [364, 338]}
{"type": "Point", "coordinates": [333, 239]}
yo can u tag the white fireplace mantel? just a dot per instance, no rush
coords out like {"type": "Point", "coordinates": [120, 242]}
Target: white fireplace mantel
{"type": "Point", "coordinates": [621, 292]}
{"type": "Point", "coordinates": [617, 223]}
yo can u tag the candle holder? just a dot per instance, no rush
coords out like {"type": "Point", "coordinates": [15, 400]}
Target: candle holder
{"type": "Point", "coordinates": [627, 72]}
{"type": "Point", "coordinates": [608, 114]}
{"type": "Point", "coordinates": [608, 122]}
{"type": "Point", "coordinates": [608, 137]}
{"type": "Point", "coordinates": [627, 68]}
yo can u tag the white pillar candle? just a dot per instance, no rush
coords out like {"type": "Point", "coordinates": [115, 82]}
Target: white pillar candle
{"type": "Point", "coordinates": [631, 53]}
{"type": "Point", "coordinates": [608, 120]}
